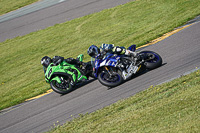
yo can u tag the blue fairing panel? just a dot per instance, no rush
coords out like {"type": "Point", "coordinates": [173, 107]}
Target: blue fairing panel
{"type": "Point", "coordinates": [132, 47]}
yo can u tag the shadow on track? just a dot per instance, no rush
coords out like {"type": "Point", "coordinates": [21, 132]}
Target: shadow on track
{"type": "Point", "coordinates": [77, 86]}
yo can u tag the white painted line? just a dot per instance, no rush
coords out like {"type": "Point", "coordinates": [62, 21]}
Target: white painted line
{"type": "Point", "coordinates": [61, 1]}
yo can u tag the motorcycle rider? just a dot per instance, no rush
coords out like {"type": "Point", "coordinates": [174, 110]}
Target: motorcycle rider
{"type": "Point", "coordinates": [45, 61]}
{"type": "Point", "coordinates": [93, 50]}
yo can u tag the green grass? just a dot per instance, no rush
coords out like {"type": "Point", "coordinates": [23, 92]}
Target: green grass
{"type": "Point", "coordinates": [171, 107]}
{"type": "Point", "coordinates": [10, 5]}
{"type": "Point", "coordinates": [135, 22]}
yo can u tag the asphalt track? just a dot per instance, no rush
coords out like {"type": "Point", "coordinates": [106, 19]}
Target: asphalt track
{"type": "Point", "coordinates": [180, 53]}
{"type": "Point", "coordinates": [47, 13]}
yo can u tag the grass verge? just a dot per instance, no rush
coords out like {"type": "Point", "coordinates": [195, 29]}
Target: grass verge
{"type": "Point", "coordinates": [11, 5]}
{"type": "Point", "coordinates": [135, 22]}
{"type": "Point", "coordinates": [170, 107]}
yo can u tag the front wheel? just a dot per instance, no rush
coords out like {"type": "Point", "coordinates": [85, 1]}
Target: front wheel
{"type": "Point", "coordinates": [62, 88]}
{"type": "Point", "coordinates": [110, 80]}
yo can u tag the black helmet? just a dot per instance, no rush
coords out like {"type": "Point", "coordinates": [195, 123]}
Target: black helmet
{"type": "Point", "coordinates": [93, 51]}
{"type": "Point", "coordinates": [45, 61]}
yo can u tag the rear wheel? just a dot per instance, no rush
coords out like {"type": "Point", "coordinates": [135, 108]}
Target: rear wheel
{"type": "Point", "coordinates": [153, 60]}
{"type": "Point", "coordinates": [110, 80]}
{"type": "Point", "coordinates": [62, 88]}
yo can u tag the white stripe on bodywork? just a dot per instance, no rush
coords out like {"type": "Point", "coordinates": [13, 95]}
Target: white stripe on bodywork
{"type": "Point", "coordinates": [108, 63]}
{"type": "Point", "coordinates": [103, 63]}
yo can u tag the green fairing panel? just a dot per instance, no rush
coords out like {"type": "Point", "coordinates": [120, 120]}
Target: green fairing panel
{"type": "Point", "coordinates": [80, 57]}
{"type": "Point", "coordinates": [53, 69]}
{"type": "Point", "coordinates": [63, 68]}
{"type": "Point", "coordinates": [68, 66]}
{"type": "Point", "coordinates": [56, 79]}
{"type": "Point", "coordinates": [80, 76]}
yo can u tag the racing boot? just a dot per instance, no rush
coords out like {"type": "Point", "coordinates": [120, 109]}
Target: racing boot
{"type": "Point", "coordinates": [132, 54]}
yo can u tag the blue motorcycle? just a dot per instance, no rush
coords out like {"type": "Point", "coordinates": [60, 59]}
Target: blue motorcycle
{"type": "Point", "coordinates": [112, 69]}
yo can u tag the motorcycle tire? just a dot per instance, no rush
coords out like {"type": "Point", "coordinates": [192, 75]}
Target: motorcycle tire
{"type": "Point", "coordinates": [61, 90]}
{"type": "Point", "coordinates": [154, 63]}
{"type": "Point", "coordinates": [104, 79]}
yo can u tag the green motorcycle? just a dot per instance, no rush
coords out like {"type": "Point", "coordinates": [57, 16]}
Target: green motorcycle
{"type": "Point", "coordinates": [63, 76]}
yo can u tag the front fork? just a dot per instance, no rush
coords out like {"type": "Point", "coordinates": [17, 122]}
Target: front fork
{"type": "Point", "coordinates": [109, 72]}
